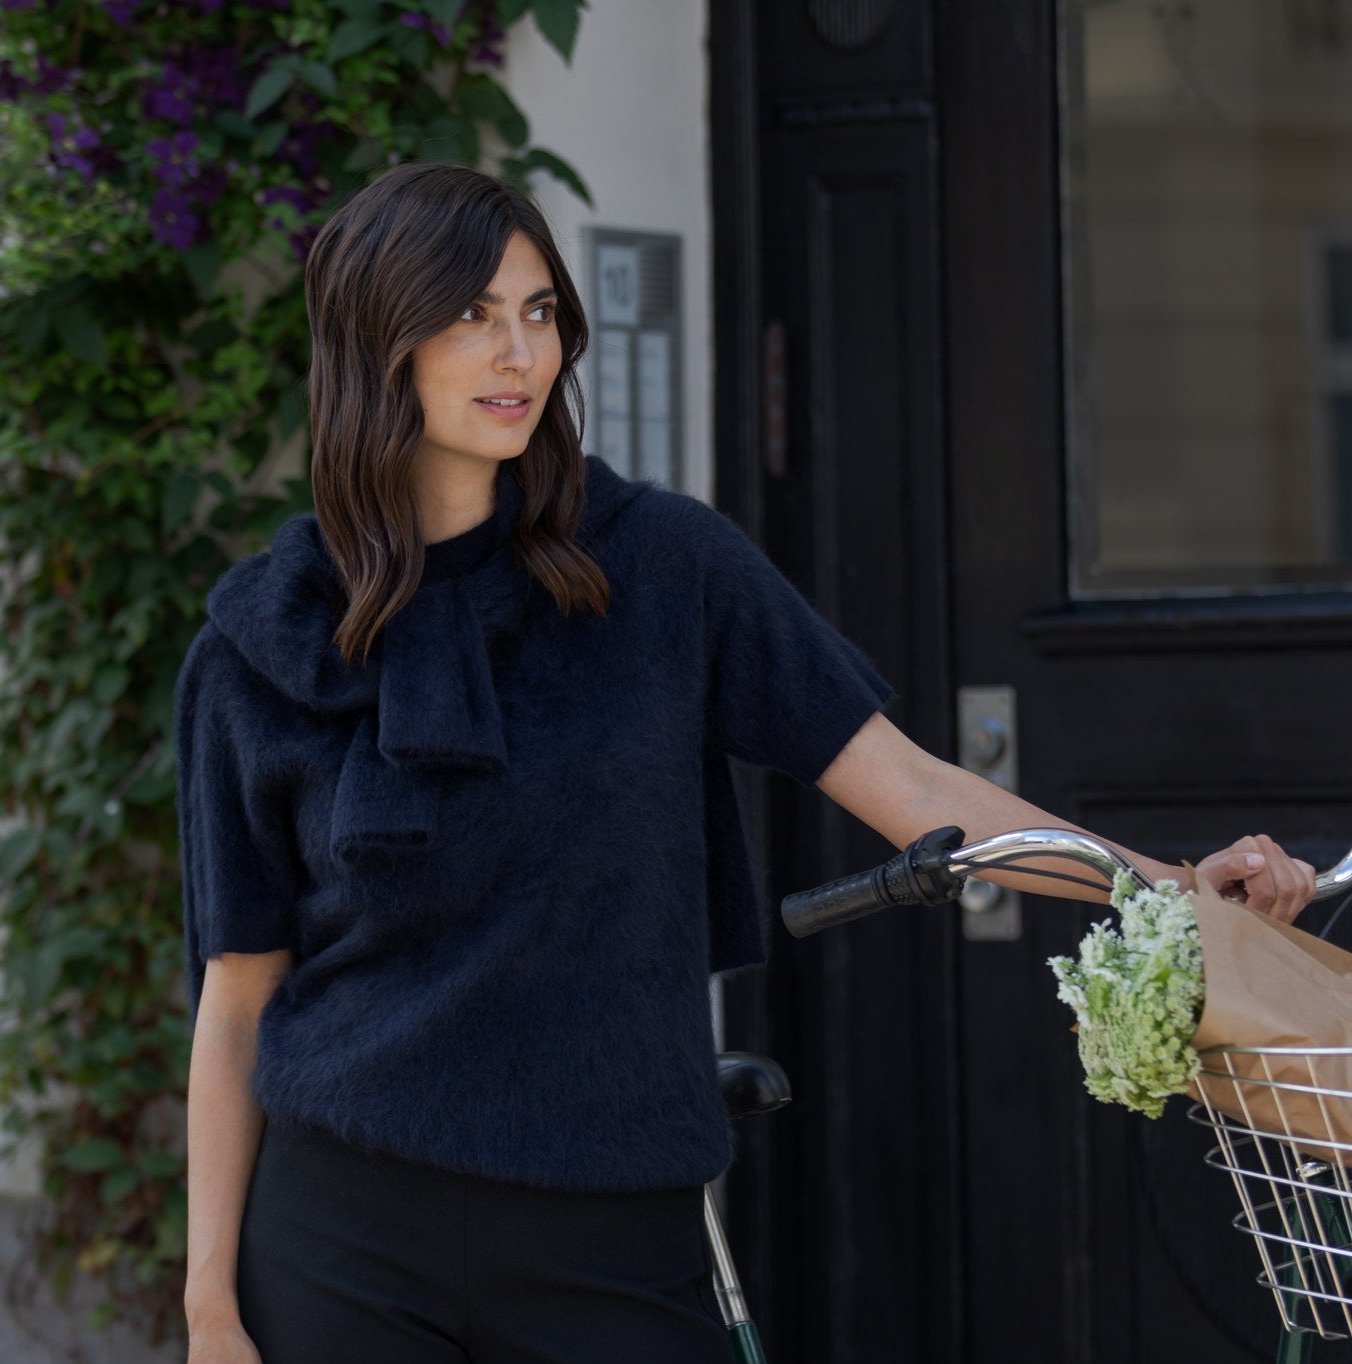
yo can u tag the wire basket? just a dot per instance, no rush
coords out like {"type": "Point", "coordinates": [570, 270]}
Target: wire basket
{"type": "Point", "coordinates": [1277, 1124]}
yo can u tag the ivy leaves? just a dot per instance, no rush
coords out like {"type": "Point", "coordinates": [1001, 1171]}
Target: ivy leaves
{"type": "Point", "coordinates": [380, 74]}
{"type": "Point", "coordinates": [284, 72]}
{"type": "Point", "coordinates": [162, 174]}
{"type": "Point", "coordinates": [483, 99]}
{"type": "Point", "coordinates": [557, 20]}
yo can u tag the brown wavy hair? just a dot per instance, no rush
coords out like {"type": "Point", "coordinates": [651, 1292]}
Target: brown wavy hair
{"type": "Point", "coordinates": [396, 264]}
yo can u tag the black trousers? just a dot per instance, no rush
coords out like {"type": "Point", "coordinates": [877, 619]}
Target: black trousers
{"type": "Point", "coordinates": [350, 1257]}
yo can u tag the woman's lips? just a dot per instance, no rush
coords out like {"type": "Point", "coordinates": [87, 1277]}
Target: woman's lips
{"type": "Point", "coordinates": [507, 413]}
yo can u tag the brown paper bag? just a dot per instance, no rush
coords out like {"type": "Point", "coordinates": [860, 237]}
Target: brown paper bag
{"type": "Point", "coordinates": [1269, 984]}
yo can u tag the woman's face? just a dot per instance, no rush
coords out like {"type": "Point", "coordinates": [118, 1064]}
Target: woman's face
{"type": "Point", "coordinates": [504, 346]}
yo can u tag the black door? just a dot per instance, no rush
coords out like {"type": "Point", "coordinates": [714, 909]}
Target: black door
{"type": "Point", "coordinates": [1029, 414]}
{"type": "Point", "coordinates": [1142, 476]}
{"type": "Point", "coordinates": [827, 277]}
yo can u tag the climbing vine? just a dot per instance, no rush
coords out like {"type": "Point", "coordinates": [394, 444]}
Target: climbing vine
{"type": "Point", "coordinates": [166, 166]}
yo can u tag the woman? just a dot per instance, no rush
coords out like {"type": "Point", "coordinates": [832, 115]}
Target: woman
{"type": "Point", "coordinates": [460, 843]}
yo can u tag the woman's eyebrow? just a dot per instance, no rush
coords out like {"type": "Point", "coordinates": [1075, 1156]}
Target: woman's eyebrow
{"type": "Point", "coordinates": [488, 296]}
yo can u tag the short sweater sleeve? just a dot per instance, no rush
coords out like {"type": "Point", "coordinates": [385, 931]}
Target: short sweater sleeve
{"type": "Point", "coordinates": [240, 871]}
{"type": "Point", "coordinates": [787, 690]}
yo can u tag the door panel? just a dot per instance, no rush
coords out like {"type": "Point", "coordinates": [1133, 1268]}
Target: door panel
{"type": "Point", "coordinates": [842, 1210]}
{"type": "Point", "coordinates": [848, 276]}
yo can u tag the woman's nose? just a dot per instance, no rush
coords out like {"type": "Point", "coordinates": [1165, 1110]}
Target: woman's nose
{"type": "Point", "coordinates": [516, 349]}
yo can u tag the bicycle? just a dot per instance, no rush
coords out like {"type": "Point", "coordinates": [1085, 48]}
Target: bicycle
{"type": "Point", "coordinates": [1310, 1208]}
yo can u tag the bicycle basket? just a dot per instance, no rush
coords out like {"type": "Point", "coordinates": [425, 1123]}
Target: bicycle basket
{"type": "Point", "coordinates": [1281, 1116]}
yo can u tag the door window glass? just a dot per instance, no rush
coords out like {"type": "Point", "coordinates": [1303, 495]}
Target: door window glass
{"type": "Point", "coordinates": [1208, 214]}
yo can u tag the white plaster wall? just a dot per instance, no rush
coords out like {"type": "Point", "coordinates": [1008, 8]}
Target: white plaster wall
{"type": "Point", "coordinates": [629, 113]}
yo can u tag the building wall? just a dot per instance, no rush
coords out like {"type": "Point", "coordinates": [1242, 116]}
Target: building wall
{"type": "Point", "coordinates": [630, 114]}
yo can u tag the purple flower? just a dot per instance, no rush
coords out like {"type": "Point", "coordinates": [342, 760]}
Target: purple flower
{"type": "Point", "coordinates": [174, 97]}
{"type": "Point", "coordinates": [69, 142]}
{"type": "Point", "coordinates": [302, 200]}
{"type": "Point", "coordinates": [51, 78]}
{"type": "Point", "coordinates": [491, 35]}
{"type": "Point", "coordinates": [175, 164]}
{"type": "Point", "coordinates": [289, 194]}
{"type": "Point", "coordinates": [438, 31]}
{"type": "Point", "coordinates": [219, 75]}
{"type": "Point", "coordinates": [16, 4]}
{"type": "Point", "coordinates": [210, 75]}
{"type": "Point", "coordinates": [122, 12]}
{"type": "Point", "coordinates": [172, 220]}
{"type": "Point", "coordinates": [302, 240]}
{"type": "Point", "coordinates": [300, 148]}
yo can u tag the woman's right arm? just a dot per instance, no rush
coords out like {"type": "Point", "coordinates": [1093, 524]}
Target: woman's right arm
{"type": "Point", "coordinates": [225, 1125]}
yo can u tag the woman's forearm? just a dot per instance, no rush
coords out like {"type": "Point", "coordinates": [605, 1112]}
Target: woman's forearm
{"type": "Point", "coordinates": [985, 809]}
{"type": "Point", "coordinates": [225, 1124]}
{"type": "Point", "coordinates": [902, 791]}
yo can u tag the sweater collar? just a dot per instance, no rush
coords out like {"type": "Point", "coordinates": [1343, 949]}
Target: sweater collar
{"type": "Point", "coordinates": [426, 702]}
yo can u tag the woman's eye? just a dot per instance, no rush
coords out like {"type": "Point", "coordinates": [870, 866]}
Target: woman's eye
{"type": "Point", "coordinates": [547, 309]}
{"type": "Point", "coordinates": [473, 308]}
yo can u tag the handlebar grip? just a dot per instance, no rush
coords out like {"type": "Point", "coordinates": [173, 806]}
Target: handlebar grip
{"type": "Point", "coordinates": [918, 875]}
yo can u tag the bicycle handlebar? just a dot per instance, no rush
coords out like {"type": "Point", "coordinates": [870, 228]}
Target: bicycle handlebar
{"type": "Point", "coordinates": [934, 869]}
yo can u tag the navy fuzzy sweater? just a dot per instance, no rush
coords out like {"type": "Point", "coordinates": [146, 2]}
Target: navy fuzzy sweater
{"type": "Point", "coordinates": [507, 852]}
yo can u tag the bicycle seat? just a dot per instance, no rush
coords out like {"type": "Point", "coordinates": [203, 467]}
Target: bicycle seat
{"type": "Point", "coordinates": [751, 1083]}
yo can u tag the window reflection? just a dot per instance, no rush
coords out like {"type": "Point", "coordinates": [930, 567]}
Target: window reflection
{"type": "Point", "coordinates": [1209, 283]}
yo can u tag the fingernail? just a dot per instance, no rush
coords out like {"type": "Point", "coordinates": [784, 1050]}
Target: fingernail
{"type": "Point", "coordinates": [1254, 861]}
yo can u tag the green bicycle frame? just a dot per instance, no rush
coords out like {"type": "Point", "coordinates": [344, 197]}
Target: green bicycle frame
{"type": "Point", "coordinates": [746, 1344]}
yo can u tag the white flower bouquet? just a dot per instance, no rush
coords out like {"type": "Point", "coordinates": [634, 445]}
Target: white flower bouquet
{"type": "Point", "coordinates": [1189, 974]}
{"type": "Point", "coordinates": [1137, 996]}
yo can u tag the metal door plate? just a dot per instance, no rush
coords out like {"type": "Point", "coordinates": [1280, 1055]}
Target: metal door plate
{"type": "Point", "coordinates": [988, 745]}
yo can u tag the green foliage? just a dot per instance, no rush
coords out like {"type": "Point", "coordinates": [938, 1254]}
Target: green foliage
{"type": "Point", "coordinates": [166, 167]}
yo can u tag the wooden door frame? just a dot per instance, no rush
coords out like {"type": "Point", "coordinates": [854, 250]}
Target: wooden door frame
{"type": "Point", "coordinates": [762, 1221]}
{"type": "Point", "coordinates": [735, 188]}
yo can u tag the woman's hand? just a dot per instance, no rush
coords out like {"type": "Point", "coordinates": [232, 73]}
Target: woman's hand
{"type": "Point", "coordinates": [1256, 871]}
{"type": "Point", "coordinates": [223, 1343]}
